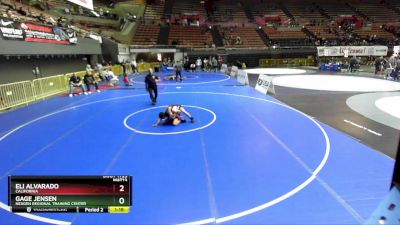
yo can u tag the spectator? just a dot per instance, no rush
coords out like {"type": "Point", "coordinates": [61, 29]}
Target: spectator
{"type": "Point", "coordinates": [22, 12]}
{"type": "Point", "coordinates": [67, 11]}
{"type": "Point", "coordinates": [88, 68]}
{"type": "Point", "coordinates": [353, 63]}
{"type": "Point", "coordinates": [80, 10]}
{"type": "Point", "coordinates": [99, 70]}
{"type": "Point", "coordinates": [214, 64]}
{"type": "Point", "coordinates": [90, 80]}
{"type": "Point", "coordinates": [11, 15]}
{"type": "Point", "coordinates": [126, 80]}
{"type": "Point", "coordinates": [178, 71]}
{"type": "Point", "coordinates": [101, 12]}
{"type": "Point", "coordinates": [392, 61]}
{"type": "Point", "coordinates": [192, 66]}
{"type": "Point", "coordinates": [134, 66]}
{"type": "Point", "coordinates": [220, 61]}
{"type": "Point", "coordinates": [397, 69]}
{"type": "Point", "coordinates": [74, 82]}
{"type": "Point", "coordinates": [378, 64]}
{"type": "Point", "coordinates": [112, 79]}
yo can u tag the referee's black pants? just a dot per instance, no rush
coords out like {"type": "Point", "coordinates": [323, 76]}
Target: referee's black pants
{"type": "Point", "coordinates": [153, 92]}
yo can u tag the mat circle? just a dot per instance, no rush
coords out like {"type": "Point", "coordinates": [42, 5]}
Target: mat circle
{"type": "Point", "coordinates": [168, 133]}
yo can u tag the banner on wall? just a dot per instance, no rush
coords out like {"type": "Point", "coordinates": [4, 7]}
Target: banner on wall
{"type": "Point", "coordinates": [20, 31]}
{"type": "Point", "coordinates": [84, 3]}
{"type": "Point", "coordinates": [353, 50]}
{"type": "Point", "coordinates": [242, 77]}
{"type": "Point", "coordinates": [265, 84]}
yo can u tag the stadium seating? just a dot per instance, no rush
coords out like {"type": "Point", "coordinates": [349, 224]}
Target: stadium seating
{"type": "Point", "coordinates": [335, 8]}
{"type": "Point", "coordinates": [227, 10]}
{"type": "Point", "coordinates": [376, 12]}
{"type": "Point", "coordinates": [268, 8]}
{"type": "Point", "coordinates": [154, 13]}
{"type": "Point", "coordinates": [146, 35]}
{"type": "Point", "coordinates": [322, 32]}
{"type": "Point", "coordinates": [283, 20]}
{"type": "Point", "coordinates": [189, 7]}
{"type": "Point", "coordinates": [274, 33]}
{"type": "Point", "coordinates": [367, 32]}
{"type": "Point", "coordinates": [198, 37]}
{"type": "Point", "coordinates": [305, 13]}
{"type": "Point", "coordinates": [248, 38]}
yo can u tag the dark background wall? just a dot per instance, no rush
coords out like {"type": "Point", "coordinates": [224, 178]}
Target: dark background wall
{"type": "Point", "coordinates": [18, 58]}
{"type": "Point", "coordinates": [14, 69]}
{"type": "Point", "coordinates": [110, 50]}
{"type": "Point", "coordinates": [84, 46]}
{"type": "Point", "coordinates": [251, 57]}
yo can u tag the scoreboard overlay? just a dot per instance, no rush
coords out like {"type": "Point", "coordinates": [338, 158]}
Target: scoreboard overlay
{"type": "Point", "coordinates": [74, 194]}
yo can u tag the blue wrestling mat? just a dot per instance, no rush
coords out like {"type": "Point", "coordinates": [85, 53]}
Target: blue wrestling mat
{"type": "Point", "coordinates": [247, 158]}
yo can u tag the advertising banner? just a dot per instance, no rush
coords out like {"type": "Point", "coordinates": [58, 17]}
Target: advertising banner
{"type": "Point", "coordinates": [224, 68]}
{"type": "Point", "coordinates": [265, 85]}
{"type": "Point", "coordinates": [242, 77]}
{"type": "Point", "coordinates": [234, 71]}
{"type": "Point", "coordinates": [20, 31]}
{"type": "Point", "coordinates": [353, 51]}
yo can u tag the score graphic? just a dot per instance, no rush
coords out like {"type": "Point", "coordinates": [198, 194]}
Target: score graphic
{"type": "Point", "coordinates": [82, 194]}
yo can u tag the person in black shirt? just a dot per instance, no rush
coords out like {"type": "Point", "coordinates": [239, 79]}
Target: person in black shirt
{"type": "Point", "coordinates": [151, 85]}
{"type": "Point", "coordinates": [75, 81]}
{"type": "Point", "coordinates": [89, 79]}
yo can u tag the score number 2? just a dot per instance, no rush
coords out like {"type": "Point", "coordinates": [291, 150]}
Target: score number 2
{"type": "Point", "coordinates": [121, 200]}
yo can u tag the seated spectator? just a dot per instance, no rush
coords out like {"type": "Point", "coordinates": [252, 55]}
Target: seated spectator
{"type": "Point", "coordinates": [88, 68]}
{"type": "Point", "coordinates": [103, 75]}
{"type": "Point", "coordinates": [101, 12]}
{"type": "Point", "coordinates": [112, 79]}
{"type": "Point", "coordinates": [127, 82]}
{"type": "Point", "coordinates": [52, 21]}
{"type": "Point", "coordinates": [67, 11]}
{"type": "Point", "coordinates": [238, 40]}
{"type": "Point", "coordinates": [22, 12]}
{"type": "Point", "coordinates": [80, 10]}
{"type": "Point", "coordinates": [11, 15]}
{"type": "Point", "coordinates": [90, 80]}
{"type": "Point", "coordinates": [60, 22]}
{"type": "Point", "coordinates": [41, 18]}
{"type": "Point", "coordinates": [74, 82]}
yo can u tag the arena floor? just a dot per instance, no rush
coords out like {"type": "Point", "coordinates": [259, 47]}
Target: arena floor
{"type": "Point", "coordinates": [361, 105]}
{"type": "Point", "coordinates": [247, 159]}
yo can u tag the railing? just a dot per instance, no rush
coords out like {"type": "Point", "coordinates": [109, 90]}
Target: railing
{"type": "Point", "coordinates": [286, 62]}
{"type": "Point", "coordinates": [16, 94]}
{"type": "Point", "coordinates": [143, 67]}
{"type": "Point", "coordinates": [48, 86]}
{"type": "Point", "coordinates": [25, 92]}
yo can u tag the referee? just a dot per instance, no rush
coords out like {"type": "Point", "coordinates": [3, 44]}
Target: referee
{"type": "Point", "coordinates": [151, 85]}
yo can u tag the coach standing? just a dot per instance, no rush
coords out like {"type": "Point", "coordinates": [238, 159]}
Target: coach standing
{"type": "Point", "coordinates": [151, 85]}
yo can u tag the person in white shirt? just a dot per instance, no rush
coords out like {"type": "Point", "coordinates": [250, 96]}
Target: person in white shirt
{"type": "Point", "coordinates": [198, 64]}
{"type": "Point", "coordinates": [88, 68]}
{"type": "Point", "coordinates": [112, 79]}
{"type": "Point", "coordinates": [134, 66]}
